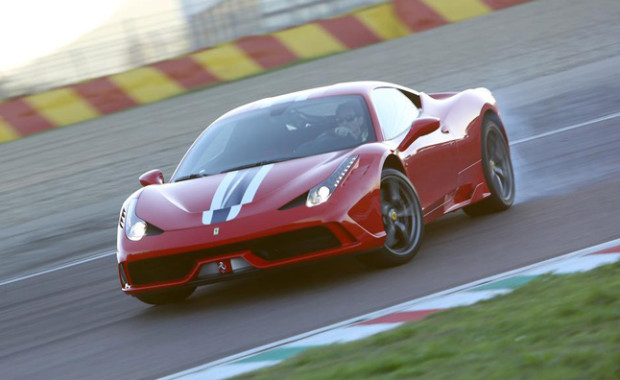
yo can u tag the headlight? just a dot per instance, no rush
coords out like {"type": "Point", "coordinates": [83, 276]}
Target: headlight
{"type": "Point", "coordinates": [135, 228]}
{"type": "Point", "coordinates": [321, 193]}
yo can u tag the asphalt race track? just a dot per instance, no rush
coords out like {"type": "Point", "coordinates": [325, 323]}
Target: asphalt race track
{"type": "Point", "coordinates": [552, 64]}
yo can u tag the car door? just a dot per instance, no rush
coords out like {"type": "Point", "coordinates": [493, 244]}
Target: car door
{"type": "Point", "coordinates": [430, 160]}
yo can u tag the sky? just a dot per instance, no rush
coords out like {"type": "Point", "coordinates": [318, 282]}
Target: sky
{"type": "Point", "coordinates": [34, 28]}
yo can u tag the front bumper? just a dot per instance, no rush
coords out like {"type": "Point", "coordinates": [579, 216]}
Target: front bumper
{"type": "Point", "coordinates": [196, 256]}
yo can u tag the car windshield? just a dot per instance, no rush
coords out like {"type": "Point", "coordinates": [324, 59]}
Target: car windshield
{"type": "Point", "coordinates": [278, 132]}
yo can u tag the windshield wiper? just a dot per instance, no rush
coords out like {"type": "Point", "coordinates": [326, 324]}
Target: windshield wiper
{"type": "Point", "coordinates": [191, 176]}
{"type": "Point", "coordinates": [255, 164]}
{"type": "Point", "coordinates": [240, 167]}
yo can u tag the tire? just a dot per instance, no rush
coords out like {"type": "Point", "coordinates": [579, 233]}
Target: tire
{"type": "Point", "coordinates": [497, 168]}
{"type": "Point", "coordinates": [402, 220]}
{"type": "Point", "coordinates": [163, 297]}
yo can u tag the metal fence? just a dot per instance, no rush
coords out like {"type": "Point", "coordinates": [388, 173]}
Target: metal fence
{"type": "Point", "coordinates": [137, 42]}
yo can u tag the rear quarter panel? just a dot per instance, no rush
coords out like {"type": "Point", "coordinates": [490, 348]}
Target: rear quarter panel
{"type": "Point", "coordinates": [462, 115]}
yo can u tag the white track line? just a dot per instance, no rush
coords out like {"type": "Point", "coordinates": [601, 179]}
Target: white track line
{"type": "Point", "coordinates": [63, 266]}
{"type": "Point", "coordinates": [569, 128]}
{"type": "Point", "coordinates": [516, 142]}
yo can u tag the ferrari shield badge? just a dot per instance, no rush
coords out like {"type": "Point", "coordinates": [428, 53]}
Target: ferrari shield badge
{"type": "Point", "coordinates": [224, 267]}
{"type": "Point", "coordinates": [216, 231]}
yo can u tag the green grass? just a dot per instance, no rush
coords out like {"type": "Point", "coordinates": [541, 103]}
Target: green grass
{"type": "Point", "coordinates": [555, 327]}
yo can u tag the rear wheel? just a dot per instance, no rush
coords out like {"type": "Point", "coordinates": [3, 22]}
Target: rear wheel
{"type": "Point", "coordinates": [162, 297]}
{"type": "Point", "coordinates": [497, 168]}
{"type": "Point", "coordinates": [402, 220]}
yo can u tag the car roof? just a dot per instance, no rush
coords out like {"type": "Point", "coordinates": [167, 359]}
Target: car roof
{"type": "Point", "coordinates": [345, 88]}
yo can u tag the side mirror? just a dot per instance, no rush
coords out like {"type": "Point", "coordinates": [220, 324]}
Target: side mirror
{"type": "Point", "coordinates": [419, 127]}
{"type": "Point", "coordinates": [153, 177]}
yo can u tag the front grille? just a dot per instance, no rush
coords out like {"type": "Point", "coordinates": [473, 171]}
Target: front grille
{"type": "Point", "coordinates": [295, 243]}
{"type": "Point", "coordinates": [175, 267]}
{"type": "Point", "coordinates": [276, 247]}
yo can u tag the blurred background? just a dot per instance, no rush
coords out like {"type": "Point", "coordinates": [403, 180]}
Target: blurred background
{"type": "Point", "coordinates": [52, 44]}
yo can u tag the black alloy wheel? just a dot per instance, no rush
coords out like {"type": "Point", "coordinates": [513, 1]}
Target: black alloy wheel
{"type": "Point", "coordinates": [498, 171]}
{"type": "Point", "coordinates": [402, 219]}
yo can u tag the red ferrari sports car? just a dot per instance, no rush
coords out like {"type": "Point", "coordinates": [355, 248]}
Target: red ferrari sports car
{"type": "Point", "coordinates": [349, 168]}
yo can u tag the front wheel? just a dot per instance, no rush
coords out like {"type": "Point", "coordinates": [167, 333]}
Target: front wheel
{"type": "Point", "coordinates": [497, 168]}
{"type": "Point", "coordinates": [162, 297]}
{"type": "Point", "coordinates": [402, 219]}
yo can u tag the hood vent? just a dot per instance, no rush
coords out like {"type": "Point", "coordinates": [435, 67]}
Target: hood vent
{"type": "Point", "coordinates": [299, 201]}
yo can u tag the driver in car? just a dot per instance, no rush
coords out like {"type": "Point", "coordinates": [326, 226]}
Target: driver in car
{"type": "Point", "coordinates": [351, 122]}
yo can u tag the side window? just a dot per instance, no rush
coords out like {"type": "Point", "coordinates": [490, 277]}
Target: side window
{"type": "Point", "coordinates": [394, 110]}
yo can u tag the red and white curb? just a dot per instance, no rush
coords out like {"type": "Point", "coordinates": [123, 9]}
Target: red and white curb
{"type": "Point", "coordinates": [392, 317]}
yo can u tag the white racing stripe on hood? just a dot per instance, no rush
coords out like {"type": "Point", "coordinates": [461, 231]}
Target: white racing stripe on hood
{"type": "Point", "coordinates": [229, 186]}
{"type": "Point", "coordinates": [218, 198]}
{"type": "Point", "coordinates": [250, 192]}
{"type": "Point", "coordinates": [256, 181]}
